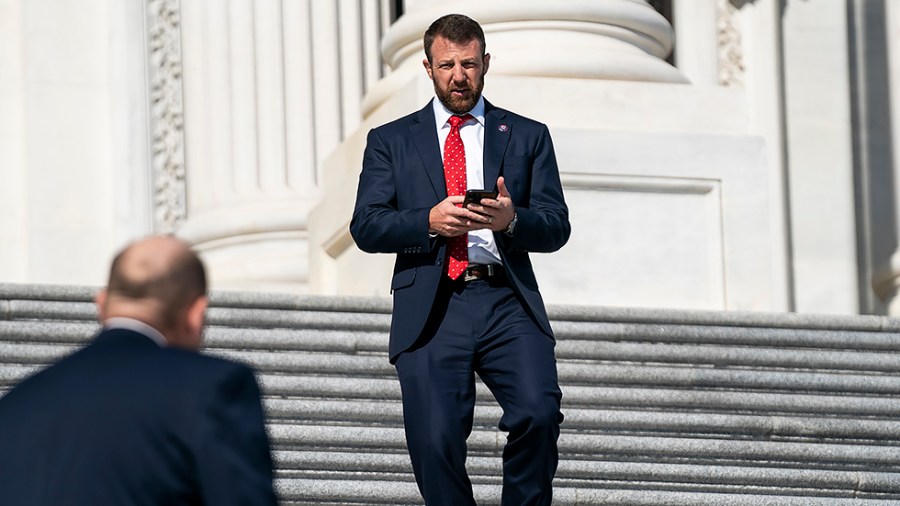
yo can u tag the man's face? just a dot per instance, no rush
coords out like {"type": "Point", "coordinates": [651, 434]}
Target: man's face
{"type": "Point", "coordinates": [457, 71]}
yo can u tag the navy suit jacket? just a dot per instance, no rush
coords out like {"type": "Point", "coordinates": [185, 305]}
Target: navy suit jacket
{"type": "Point", "coordinates": [402, 178]}
{"type": "Point", "coordinates": [125, 422]}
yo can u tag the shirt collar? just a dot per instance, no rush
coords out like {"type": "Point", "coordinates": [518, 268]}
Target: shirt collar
{"type": "Point", "coordinates": [442, 114]}
{"type": "Point", "coordinates": [121, 322]}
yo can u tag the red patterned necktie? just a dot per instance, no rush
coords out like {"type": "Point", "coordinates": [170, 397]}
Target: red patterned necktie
{"type": "Point", "coordinates": [455, 174]}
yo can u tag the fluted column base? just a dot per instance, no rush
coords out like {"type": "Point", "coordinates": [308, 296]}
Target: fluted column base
{"type": "Point", "coordinates": [583, 39]}
{"type": "Point", "coordinates": [254, 245]}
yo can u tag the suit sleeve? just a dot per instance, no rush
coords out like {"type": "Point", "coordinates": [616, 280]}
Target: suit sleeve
{"type": "Point", "coordinates": [233, 461]}
{"type": "Point", "coordinates": [544, 222]}
{"type": "Point", "coordinates": [378, 224]}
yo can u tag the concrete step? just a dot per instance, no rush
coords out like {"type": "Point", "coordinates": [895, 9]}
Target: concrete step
{"type": "Point", "coordinates": [369, 491]}
{"type": "Point", "coordinates": [579, 446]}
{"type": "Point", "coordinates": [610, 421]}
{"type": "Point", "coordinates": [393, 466]}
{"type": "Point", "coordinates": [662, 407]}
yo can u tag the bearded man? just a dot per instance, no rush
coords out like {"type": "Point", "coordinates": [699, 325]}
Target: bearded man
{"type": "Point", "coordinates": [465, 297]}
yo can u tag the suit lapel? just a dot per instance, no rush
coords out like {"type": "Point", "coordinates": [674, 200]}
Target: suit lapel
{"type": "Point", "coordinates": [496, 139]}
{"type": "Point", "coordinates": [425, 139]}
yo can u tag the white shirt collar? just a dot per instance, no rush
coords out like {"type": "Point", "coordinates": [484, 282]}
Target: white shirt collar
{"type": "Point", "coordinates": [121, 322]}
{"type": "Point", "coordinates": [442, 114]}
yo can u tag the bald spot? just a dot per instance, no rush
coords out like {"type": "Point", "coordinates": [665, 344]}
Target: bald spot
{"type": "Point", "coordinates": [160, 273]}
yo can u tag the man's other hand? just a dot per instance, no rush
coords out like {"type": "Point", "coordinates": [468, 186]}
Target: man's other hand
{"type": "Point", "coordinates": [494, 214]}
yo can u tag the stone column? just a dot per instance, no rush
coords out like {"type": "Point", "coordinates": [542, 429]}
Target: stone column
{"type": "Point", "coordinates": [697, 48]}
{"type": "Point", "coordinates": [821, 191]}
{"type": "Point", "coordinates": [751, 59]}
{"type": "Point", "coordinates": [73, 141]}
{"type": "Point", "coordinates": [877, 83]}
{"type": "Point", "coordinates": [270, 89]}
{"type": "Point", "coordinates": [13, 190]}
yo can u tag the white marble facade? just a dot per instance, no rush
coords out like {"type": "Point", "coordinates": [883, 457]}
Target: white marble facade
{"type": "Point", "coordinates": [752, 170]}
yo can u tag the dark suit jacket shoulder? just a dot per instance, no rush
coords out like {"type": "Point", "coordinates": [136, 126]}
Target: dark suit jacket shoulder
{"type": "Point", "coordinates": [123, 421]}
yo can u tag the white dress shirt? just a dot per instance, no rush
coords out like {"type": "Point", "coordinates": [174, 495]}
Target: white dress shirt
{"type": "Point", "coordinates": [482, 247]}
{"type": "Point", "coordinates": [119, 322]}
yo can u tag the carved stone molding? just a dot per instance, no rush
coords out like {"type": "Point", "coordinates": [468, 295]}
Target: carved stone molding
{"type": "Point", "coordinates": [731, 57]}
{"type": "Point", "coordinates": [166, 114]}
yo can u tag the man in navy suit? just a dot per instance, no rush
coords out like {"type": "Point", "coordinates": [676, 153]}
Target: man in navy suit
{"type": "Point", "coordinates": [465, 297]}
{"type": "Point", "coordinates": [138, 417]}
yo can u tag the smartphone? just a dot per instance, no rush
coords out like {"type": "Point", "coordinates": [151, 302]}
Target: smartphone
{"type": "Point", "coordinates": [475, 196]}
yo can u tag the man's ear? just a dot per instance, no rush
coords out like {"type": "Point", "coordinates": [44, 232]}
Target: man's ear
{"type": "Point", "coordinates": [196, 316]}
{"type": "Point", "coordinates": [487, 62]}
{"type": "Point", "coordinates": [100, 300]}
{"type": "Point", "coordinates": [427, 66]}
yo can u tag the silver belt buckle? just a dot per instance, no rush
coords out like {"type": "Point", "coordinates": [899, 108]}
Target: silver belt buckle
{"type": "Point", "coordinates": [488, 271]}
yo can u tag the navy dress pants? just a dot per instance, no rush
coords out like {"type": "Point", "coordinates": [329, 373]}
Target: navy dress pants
{"type": "Point", "coordinates": [480, 327]}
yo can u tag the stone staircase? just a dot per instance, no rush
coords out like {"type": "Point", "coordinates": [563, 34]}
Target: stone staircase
{"type": "Point", "coordinates": [662, 407]}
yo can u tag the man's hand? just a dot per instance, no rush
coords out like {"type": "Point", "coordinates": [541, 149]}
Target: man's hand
{"type": "Point", "coordinates": [450, 220]}
{"type": "Point", "coordinates": [494, 214]}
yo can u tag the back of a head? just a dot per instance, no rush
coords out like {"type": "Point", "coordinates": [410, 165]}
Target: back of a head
{"type": "Point", "coordinates": [156, 280]}
{"type": "Point", "coordinates": [456, 28]}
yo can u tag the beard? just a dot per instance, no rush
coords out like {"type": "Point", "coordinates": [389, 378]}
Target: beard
{"type": "Point", "coordinates": [459, 104]}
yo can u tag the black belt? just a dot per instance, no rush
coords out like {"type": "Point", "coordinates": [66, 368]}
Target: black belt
{"type": "Point", "coordinates": [481, 271]}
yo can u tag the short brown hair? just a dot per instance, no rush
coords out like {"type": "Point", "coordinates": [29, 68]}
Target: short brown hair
{"type": "Point", "coordinates": [455, 28]}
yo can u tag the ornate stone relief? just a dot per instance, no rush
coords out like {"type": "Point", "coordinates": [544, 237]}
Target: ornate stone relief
{"type": "Point", "coordinates": [731, 58]}
{"type": "Point", "coordinates": [166, 114]}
